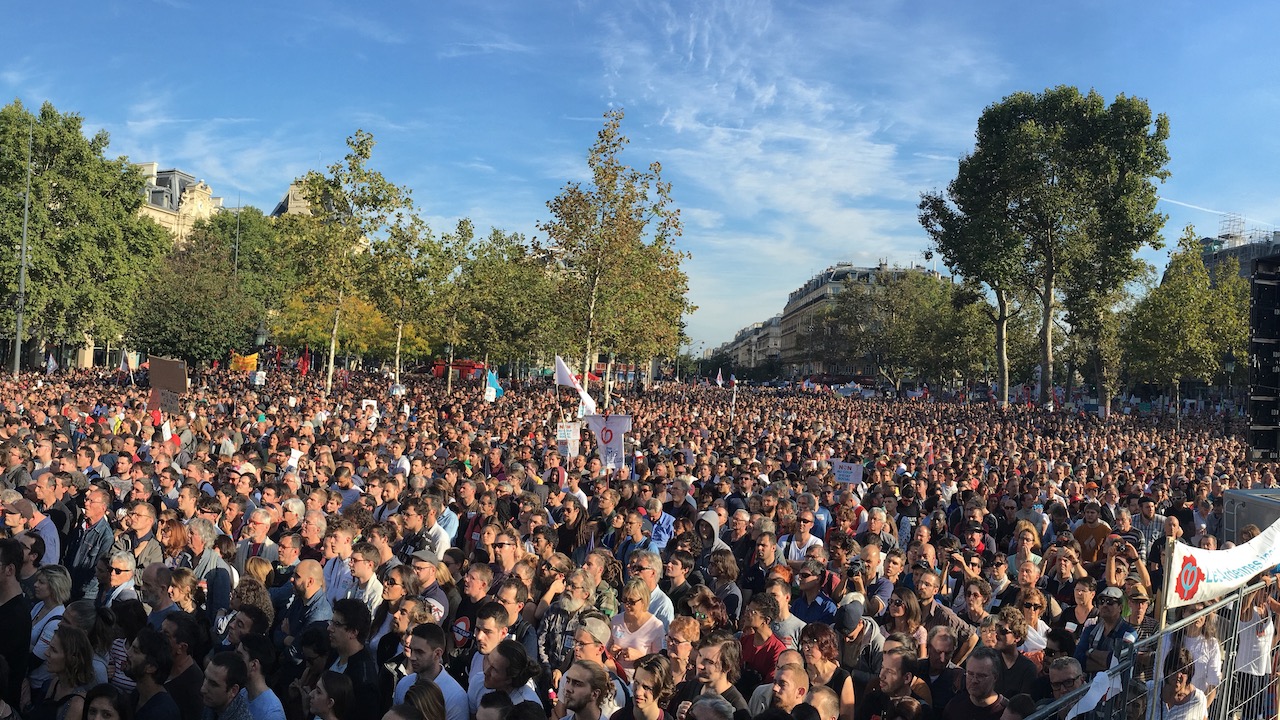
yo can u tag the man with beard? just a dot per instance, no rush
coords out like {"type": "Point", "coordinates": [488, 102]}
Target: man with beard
{"type": "Point", "coordinates": [897, 673]}
{"type": "Point", "coordinates": [150, 659]}
{"type": "Point", "coordinates": [555, 630]}
{"type": "Point", "coordinates": [425, 651]}
{"type": "Point", "coordinates": [586, 689]}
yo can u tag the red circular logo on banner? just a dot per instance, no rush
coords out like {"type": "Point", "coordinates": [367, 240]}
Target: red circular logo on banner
{"type": "Point", "coordinates": [606, 436]}
{"type": "Point", "coordinates": [1189, 578]}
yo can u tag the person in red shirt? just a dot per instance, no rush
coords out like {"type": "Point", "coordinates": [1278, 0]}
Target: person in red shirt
{"type": "Point", "coordinates": [760, 647]}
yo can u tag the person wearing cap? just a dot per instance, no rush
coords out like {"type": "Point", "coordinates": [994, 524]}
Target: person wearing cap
{"type": "Point", "coordinates": [1100, 640]}
{"type": "Point", "coordinates": [22, 515]}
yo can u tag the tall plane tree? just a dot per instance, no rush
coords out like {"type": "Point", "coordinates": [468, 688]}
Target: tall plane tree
{"type": "Point", "coordinates": [614, 244]}
{"type": "Point", "coordinates": [1057, 180]}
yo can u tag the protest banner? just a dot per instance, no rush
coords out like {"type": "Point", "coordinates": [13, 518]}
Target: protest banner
{"type": "Point", "coordinates": [1199, 575]}
{"type": "Point", "coordinates": [609, 431]}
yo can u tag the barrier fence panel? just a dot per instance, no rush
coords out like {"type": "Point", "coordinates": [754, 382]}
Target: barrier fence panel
{"type": "Point", "coordinates": [1231, 657]}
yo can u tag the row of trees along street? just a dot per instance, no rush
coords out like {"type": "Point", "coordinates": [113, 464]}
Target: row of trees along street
{"type": "Point", "coordinates": [361, 275]}
{"type": "Point", "coordinates": [1041, 228]}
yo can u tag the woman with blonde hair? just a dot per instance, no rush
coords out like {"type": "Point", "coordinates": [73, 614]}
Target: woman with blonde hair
{"type": "Point", "coordinates": [258, 568]}
{"type": "Point", "coordinates": [52, 590]}
{"type": "Point", "coordinates": [185, 590]}
{"type": "Point", "coordinates": [636, 632]}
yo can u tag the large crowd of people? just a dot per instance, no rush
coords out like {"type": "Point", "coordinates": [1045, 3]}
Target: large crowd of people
{"type": "Point", "coordinates": [275, 553]}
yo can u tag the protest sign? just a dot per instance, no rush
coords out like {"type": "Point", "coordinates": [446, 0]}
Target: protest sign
{"type": "Point", "coordinates": [168, 383]}
{"type": "Point", "coordinates": [847, 472]}
{"type": "Point", "coordinates": [568, 438]}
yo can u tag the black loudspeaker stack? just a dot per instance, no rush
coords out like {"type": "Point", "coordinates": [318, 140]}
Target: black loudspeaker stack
{"type": "Point", "coordinates": [1264, 359]}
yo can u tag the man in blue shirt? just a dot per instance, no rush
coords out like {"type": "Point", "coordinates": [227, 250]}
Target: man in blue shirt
{"type": "Point", "coordinates": [812, 604]}
{"type": "Point", "coordinates": [1100, 640]}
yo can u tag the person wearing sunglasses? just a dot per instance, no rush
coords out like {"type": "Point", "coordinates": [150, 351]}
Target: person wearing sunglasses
{"type": "Point", "coordinates": [1101, 639]}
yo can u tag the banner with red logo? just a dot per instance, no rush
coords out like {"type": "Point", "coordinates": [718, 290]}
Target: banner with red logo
{"type": "Point", "coordinates": [1203, 575]}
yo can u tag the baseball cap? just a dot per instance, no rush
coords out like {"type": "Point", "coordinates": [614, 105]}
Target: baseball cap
{"type": "Point", "coordinates": [848, 617]}
{"type": "Point", "coordinates": [21, 507]}
{"type": "Point", "coordinates": [426, 556]}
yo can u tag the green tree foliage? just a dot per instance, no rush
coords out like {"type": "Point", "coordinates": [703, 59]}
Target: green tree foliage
{"type": "Point", "coordinates": [621, 288]}
{"type": "Point", "coordinates": [1058, 183]}
{"type": "Point", "coordinates": [351, 206]}
{"type": "Point", "coordinates": [1229, 309]}
{"type": "Point", "coordinates": [192, 307]}
{"type": "Point", "coordinates": [1170, 335]}
{"type": "Point", "coordinates": [251, 238]}
{"type": "Point", "coordinates": [912, 324]}
{"type": "Point", "coordinates": [406, 269]}
{"type": "Point", "coordinates": [89, 250]}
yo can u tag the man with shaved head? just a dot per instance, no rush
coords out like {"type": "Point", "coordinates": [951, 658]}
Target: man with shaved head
{"type": "Point", "coordinates": [308, 606]}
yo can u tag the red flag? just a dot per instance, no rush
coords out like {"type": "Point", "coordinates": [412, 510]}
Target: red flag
{"type": "Point", "coordinates": [279, 349]}
{"type": "Point", "coordinates": [304, 363]}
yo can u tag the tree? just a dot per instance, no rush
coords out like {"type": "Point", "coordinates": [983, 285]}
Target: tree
{"type": "Point", "coordinates": [351, 206]}
{"type": "Point", "coordinates": [88, 250]}
{"type": "Point", "coordinates": [406, 269]}
{"type": "Point", "coordinates": [619, 278]}
{"type": "Point", "coordinates": [1057, 182]}
{"type": "Point", "coordinates": [887, 321]}
{"type": "Point", "coordinates": [259, 268]}
{"type": "Point", "coordinates": [1169, 335]}
{"type": "Point", "coordinates": [192, 311]}
{"type": "Point", "coordinates": [1229, 313]}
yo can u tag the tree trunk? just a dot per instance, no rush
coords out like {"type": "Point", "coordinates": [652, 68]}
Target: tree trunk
{"type": "Point", "coordinates": [399, 336]}
{"type": "Point", "coordinates": [448, 372]}
{"type": "Point", "coordinates": [1002, 347]}
{"type": "Point", "coordinates": [333, 344]}
{"type": "Point", "coordinates": [608, 381]}
{"type": "Point", "coordinates": [1046, 340]}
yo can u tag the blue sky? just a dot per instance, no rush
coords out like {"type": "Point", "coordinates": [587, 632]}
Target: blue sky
{"type": "Point", "coordinates": [795, 134]}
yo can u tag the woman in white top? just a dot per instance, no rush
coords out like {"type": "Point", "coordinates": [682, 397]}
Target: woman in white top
{"type": "Point", "coordinates": [52, 590]}
{"type": "Point", "coordinates": [1030, 603]}
{"type": "Point", "coordinates": [1253, 659]}
{"type": "Point", "coordinates": [635, 632]}
{"type": "Point", "coordinates": [1201, 640]}
{"type": "Point", "coordinates": [1179, 698]}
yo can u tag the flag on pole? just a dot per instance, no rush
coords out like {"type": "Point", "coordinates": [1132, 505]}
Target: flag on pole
{"type": "Point", "coordinates": [304, 362]}
{"type": "Point", "coordinates": [720, 377]}
{"type": "Point", "coordinates": [492, 381]}
{"type": "Point", "coordinates": [50, 365]}
{"type": "Point", "coordinates": [564, 376]}
{"type": "Point", "coordinates": [244, 363]}
{"type": "Point", "coordinates": [124, 361]}
{"type": "Point", "coordinates": [733, 380]}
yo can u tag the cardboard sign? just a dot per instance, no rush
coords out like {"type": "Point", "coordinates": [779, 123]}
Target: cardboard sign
{"type": "Point", "coordinates": [568, 438]}
{"type": "Point", "coordinates": [168, 374]}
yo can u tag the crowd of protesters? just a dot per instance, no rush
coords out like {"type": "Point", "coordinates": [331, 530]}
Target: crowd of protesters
{"type": "Point", "coordinates": [274, 553]}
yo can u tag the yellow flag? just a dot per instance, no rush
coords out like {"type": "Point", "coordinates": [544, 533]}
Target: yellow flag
{"type": "Point", "coordinates": [244, 363]}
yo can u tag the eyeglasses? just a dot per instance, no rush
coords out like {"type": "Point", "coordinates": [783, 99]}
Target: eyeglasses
{"type": "Point", "coordinates": [896, 602]}
{"type": "Point", "coordinates": [502, 544]}
{"type": "Point", "coordinates": [673, 640]}
{"type": "Point", "coordinates": [631, 601]}
{"type": "Point", "coordinates": [1065, 684]}
{"type": "Point", "coordinates": [805, 521]}
{"type": "Point", "coordinates": [1032, 606]}
{"type": "Point", "coordinates": [1108, 601]}
{"type": "Point", "coordinates": [120, 571]}
{"type": "Point", "coordinates": [579, 644]}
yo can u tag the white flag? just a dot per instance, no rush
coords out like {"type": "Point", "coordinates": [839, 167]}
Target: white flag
{"type": "Point", "coordinates": [50, 365]}
{"type": "Point", "coordinates": [564, 376]}
{"type": "Point", "coordinates": [720, 377]}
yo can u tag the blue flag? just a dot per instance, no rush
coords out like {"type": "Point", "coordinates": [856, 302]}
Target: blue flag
{"type": "Point", "coordinates": [492, 381]}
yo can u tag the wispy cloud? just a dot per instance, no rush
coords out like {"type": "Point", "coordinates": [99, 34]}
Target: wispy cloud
{"type": "Point", "coordinates": [800, 169]}
{"type": "Point", "coordinates": [485, 47]}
